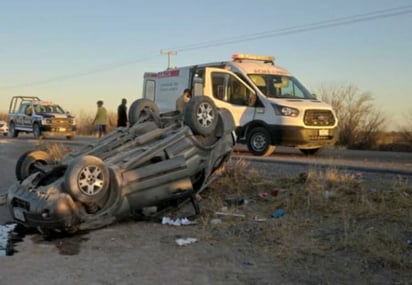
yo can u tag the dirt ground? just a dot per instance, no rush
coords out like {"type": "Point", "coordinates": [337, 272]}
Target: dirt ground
{"type": "Point", "coordinates": [249, 247]}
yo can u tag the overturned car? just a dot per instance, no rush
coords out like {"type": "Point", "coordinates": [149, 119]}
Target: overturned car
{"type": "Point", "coordinates": [160, 160]}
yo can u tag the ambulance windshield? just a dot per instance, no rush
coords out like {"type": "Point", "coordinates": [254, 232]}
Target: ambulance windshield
{"type": "Point", "coordinates": [280, 86]}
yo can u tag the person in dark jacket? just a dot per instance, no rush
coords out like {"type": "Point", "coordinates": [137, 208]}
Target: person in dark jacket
{"type": "Point", "coordinates": [182, 101]}
{"type": "Point", "coordinates": [122, 114]}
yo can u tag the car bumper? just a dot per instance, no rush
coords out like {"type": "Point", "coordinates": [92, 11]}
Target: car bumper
{"type": "Point", "coordinates": [58, 131]}
{"type": "Point", "coordinates": [38, 209]}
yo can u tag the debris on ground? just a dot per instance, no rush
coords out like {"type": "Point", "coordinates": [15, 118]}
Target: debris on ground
{"type": "Point", "coordinates": [177, 222]}
{"type": "Point", "coordinates": [185, 241]}
{"type": "Point", "coordinates": [279, 213]}
{"type": "Point", "coordinates": [234, 200]}
{"type": "Point", "coordinates": [229, 214]}
{"type": "Point", "coordinates": [215, 221]}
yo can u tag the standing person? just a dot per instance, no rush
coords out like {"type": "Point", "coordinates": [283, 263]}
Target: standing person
{"type": "Point", "coordinates": [101, 118]}
{"type": "Point", "coordinates": [122, 114]}
{"type": "Point", "coordinates": [182, 101]}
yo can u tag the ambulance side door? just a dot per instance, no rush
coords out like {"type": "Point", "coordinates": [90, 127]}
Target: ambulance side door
{"type": "Point", "coordinates": [229, 91]}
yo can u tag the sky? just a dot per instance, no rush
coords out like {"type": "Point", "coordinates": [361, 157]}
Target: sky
{"type": "Point", "coordinates": [80, 51]}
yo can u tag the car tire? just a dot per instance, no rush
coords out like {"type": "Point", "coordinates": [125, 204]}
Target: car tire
{"type": "Point", "coordinates": [309, 151]}
{"type": "Point", "coordinates": [225, 122]}
{"type": "Point", "coordinates": [259, 142]}
{"type": "Point", "coordinates": [69, 137]}
{"type": "Point", "coordinates": [201, 115]}
{"type": "Point", "coordinates": [140, 111]}
{"type": "Point", "coordinates": [12, 130]}
{"type": "Point", "coordinates": [26, 164]}
{"type": "Point", "coordinates": [37, 131]}
{"type": "Point", "coordinates": [87, 179]}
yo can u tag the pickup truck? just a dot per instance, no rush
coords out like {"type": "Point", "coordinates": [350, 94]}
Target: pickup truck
{"type": "Point", "coordinates": [42, 118]}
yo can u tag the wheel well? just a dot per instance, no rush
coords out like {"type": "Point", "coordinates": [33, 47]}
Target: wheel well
{"type": "Point", "coordinates": [242, 132]}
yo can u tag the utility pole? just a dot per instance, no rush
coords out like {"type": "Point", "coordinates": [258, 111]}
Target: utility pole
{"type": "Point", "coordinates": [169, 54]}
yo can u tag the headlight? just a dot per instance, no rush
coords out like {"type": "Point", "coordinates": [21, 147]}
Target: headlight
{"type": "Point", "coordinates": [285, 111]}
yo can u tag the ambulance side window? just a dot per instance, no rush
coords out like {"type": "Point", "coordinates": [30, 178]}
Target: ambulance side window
{"type": "Point", "coordinates": [229, 89]}
{"type": "Point", "coordinates": [218, 84]}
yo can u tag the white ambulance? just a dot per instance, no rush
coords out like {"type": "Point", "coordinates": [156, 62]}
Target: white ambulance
{"type": "Point", "coordinates": [270, 106]}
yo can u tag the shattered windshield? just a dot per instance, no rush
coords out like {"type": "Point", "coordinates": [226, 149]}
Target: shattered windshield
{"type": "Point", "coordinates": [280, 86]}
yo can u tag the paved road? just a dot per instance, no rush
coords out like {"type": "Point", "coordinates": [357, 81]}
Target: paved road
{"type": "Point", "coordinates": [286, 161]}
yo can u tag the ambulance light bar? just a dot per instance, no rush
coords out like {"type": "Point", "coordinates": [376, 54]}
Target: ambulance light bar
{"type": "Point", "coordinates": [244, 56]}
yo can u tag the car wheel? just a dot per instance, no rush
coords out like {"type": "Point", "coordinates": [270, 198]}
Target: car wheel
{"type": "Point", "coordinates": [87, 180]}
{"type": "Point", "coordinates": [37, 131]}
{"type": "Point", "coordinates": [29, 162]}
{"type": "Point", "coordinates": [69, 137]}
{"type": "Point", "coordinates": [201, 115]}
{"type": "Point", "coordinates": [141, 110]}
{"type": "Point", "coordinates": [12, 130]}
{"type": "Point", "coordinates": [259, 142]}
{"type": "Point", "coordinates": [309, 151]}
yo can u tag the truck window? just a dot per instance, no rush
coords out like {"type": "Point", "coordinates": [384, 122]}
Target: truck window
{"type": "Point", "coordinates": [28, 111]}
{"type": "Point", "coordinates": [229, 89]}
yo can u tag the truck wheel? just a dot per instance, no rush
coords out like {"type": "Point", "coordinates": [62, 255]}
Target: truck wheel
{"type": "Point", "coordinates": [12, 130]}
{"type": "Point", "coordinates": [259, 142]}
{"type": "Point", "coordinates": [87, 180]}
{"type": "Point", "coordinates": [309, 151]}
{"type": "Point", "coordinates": [28, 163]}
{"type": "Point", "coordinates": [201, 115]}
{"type": "Point", "coordinates": [37, 131]}
{"type": "Point", "coordinates": [141, 110]}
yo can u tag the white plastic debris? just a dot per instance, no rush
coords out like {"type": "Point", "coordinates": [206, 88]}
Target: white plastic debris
{"type": "Point", "coordinates": [229, 214]}
{"type": "Point", "coordinates": [185, 241]}
{"type": "Point", "coordinates": [177, 222]}
{"type": "Point", "coordinates": [215, 221]}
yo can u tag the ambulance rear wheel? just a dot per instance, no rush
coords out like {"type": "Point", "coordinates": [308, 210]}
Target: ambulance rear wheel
{"type": "Point", "coordinates": [259, 142]}
{"type": "Point", "coordinates": [141, 111]}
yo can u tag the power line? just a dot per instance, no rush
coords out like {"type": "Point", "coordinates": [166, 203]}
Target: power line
{"type": "Point", "coordinates": [303, 28]}
{"type": "Point", "coordinates": [102, 68]}
{"type": "Point", "coordinates": [347, 20]}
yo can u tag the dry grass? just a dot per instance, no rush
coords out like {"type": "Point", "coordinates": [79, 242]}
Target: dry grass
{"type": "Point", "coordinates": [56, 150]}
{"type": "Point", "coordinates": [85, 124]}
{"type": "Point", "coordinates": [327, 213]}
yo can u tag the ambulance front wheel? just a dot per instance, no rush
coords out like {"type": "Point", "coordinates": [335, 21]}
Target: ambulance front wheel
{"type": "Point", "coordinates": [259, 142]}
